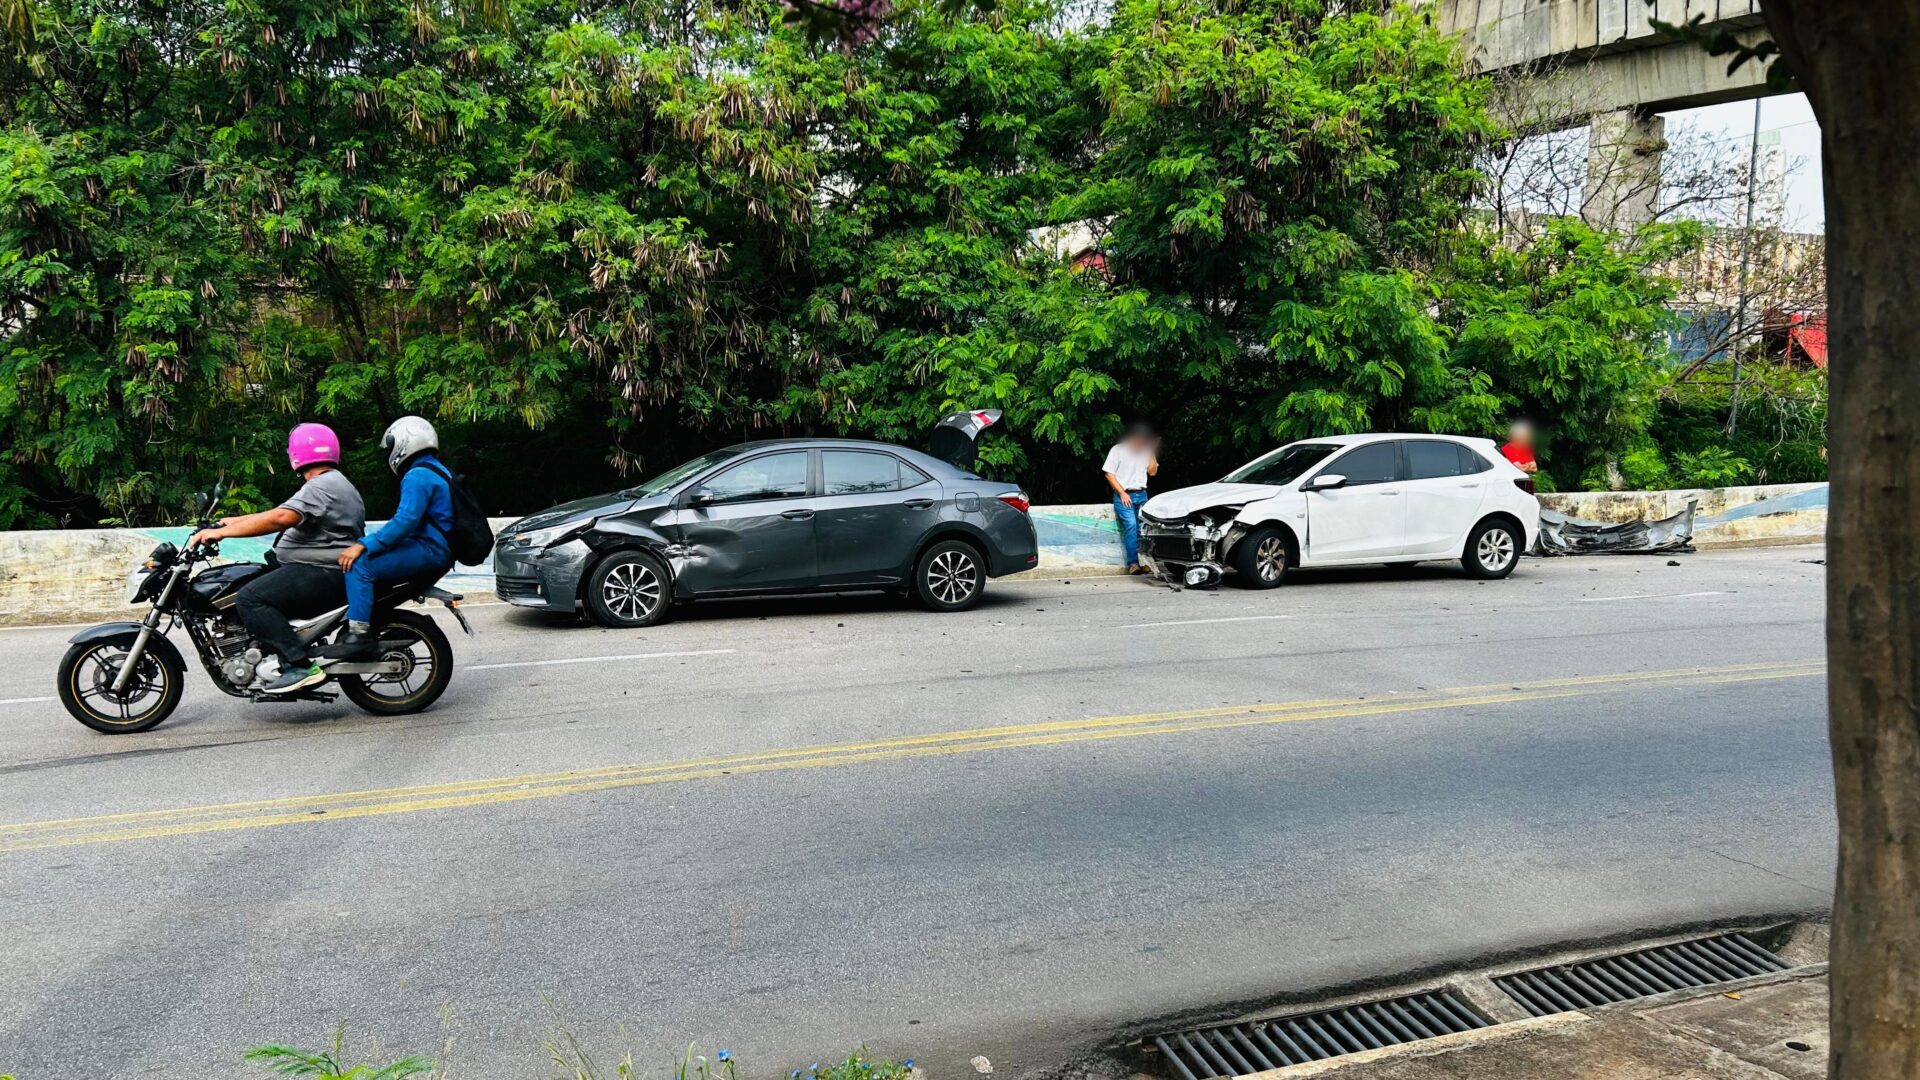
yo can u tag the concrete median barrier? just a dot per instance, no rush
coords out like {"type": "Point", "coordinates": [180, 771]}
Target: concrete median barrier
{"type": "Point", "coordinates": [79, 575]}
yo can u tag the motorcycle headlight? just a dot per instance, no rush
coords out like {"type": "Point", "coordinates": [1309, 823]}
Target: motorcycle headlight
{"type": "Point", "coordinates": [537, 539]}
{"type": "Point", "coordinates": [135, 582]}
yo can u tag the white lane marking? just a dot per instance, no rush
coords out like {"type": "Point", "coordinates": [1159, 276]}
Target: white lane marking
{"type": "Point", "coordinates": [46, 626]}
{"type": "Point", "coordinates": [1198, 622]}
{"type": "Point", "coordinates": [596, 659]}
{"type": "Point", "coordinates": [1649, 596]}
{"type": "Point", "coordinates": [26, 700]}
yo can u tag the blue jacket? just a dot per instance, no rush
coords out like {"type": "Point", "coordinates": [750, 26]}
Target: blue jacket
{"type": "Point", "coordinates": [425, 516]}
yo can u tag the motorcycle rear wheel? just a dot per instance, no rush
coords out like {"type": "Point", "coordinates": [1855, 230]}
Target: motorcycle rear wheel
{"type": "Point", "coordinates": [427, 667]}
{"type": "Point", "coordinates": [86, 687]}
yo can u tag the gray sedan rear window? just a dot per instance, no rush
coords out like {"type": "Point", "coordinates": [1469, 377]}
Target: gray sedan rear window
{"type": "Point", "coordinates": [860, 472]}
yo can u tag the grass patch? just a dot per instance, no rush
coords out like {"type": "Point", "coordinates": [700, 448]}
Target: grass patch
{"type": "Point", "coordinates": [571, 1060]}
{"type": "Point", "coordinates": [330, 1064]}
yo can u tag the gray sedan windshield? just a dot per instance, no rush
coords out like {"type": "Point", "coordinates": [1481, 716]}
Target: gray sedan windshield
{"type": "Point", "coordinates": [1284, 466]}
{"type": "Point", "coordinates": [673, 477]}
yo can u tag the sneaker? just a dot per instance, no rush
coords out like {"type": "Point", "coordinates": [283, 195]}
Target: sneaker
{"type": "Point", "coordinates": [352, 648]}
{"type": "Point", "coordinates": [295, 679]}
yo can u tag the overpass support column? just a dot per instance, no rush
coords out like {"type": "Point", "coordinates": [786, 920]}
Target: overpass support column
{"type": "Point", "coordinates": [1623, 169]}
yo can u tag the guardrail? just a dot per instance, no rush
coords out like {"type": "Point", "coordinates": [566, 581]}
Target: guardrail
{"type": "Point", "coordinates": [80, 574]}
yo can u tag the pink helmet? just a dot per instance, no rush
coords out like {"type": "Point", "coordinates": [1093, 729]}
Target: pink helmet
{"type": "Point", "coordinates": [312, 444]}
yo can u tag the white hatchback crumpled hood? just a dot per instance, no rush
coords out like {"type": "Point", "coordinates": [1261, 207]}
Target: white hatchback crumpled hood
{"type": "Point", "coordinates": [1176, 505]}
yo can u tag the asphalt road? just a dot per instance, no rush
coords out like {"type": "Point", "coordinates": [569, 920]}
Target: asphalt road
{"type": "Point", "coordinates": [793, 827]}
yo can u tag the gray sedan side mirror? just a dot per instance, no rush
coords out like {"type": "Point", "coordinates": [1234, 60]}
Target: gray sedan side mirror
{"type": "Point", "coordinates": [1326, 482]}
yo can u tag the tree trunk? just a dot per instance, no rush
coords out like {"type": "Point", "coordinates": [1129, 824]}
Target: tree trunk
{"type": "Point", "coordinates": [1857, 60]}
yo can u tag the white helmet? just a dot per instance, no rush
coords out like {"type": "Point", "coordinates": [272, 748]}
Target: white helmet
{"type": "Point", "coordinates": [406, 437]}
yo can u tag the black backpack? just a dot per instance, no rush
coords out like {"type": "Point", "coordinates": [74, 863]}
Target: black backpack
{"type": "Point", "coordinates": [471, 538]}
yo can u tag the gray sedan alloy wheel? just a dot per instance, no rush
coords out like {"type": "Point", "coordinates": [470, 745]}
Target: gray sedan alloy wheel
{"type": "Point", "coordinates": [950, 576]}
{"type": "Point", "coordinates": [628, 589]}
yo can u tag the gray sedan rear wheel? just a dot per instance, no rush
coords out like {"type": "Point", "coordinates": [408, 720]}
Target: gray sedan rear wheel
{"type": "Point", "coordinates": [950, 576]}
{"type": "Point", "coordinates": [628, 589]}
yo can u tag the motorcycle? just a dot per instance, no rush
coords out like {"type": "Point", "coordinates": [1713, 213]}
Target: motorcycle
{"type": "Point", "coordinates": [121, 677]}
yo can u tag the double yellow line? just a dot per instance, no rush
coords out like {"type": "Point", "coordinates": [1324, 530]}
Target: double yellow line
{"type": "Point", "coordinates": [310, 809]}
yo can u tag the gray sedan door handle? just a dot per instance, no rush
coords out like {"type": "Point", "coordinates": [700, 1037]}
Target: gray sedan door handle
{"type": "Point", "coordinates": [796, 515]}
{"type": "Point", "coordinates": [918, 504]}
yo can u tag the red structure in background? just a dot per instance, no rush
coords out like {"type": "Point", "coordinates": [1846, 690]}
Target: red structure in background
{"type": "Point", "coordinates": [1798, 337]}
{"type": "Point", "coordinates": [1808, 338]}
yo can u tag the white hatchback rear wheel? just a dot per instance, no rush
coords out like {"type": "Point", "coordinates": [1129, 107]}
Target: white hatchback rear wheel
{"type": "Point", "coordinates": [1493, 550]}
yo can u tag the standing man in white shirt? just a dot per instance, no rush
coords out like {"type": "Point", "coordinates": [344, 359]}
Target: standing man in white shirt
{"type": "Point", "coordinates": [1131, 461]}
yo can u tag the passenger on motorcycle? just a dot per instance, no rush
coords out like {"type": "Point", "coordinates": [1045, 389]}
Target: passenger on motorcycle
{"type": "Point", "coordinates": [317, 525]}
{"type": "Point", "coordinates": [414, 543]}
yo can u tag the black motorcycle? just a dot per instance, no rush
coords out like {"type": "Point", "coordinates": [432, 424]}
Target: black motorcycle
{"type": "Point", "coordinates": [126, 676]}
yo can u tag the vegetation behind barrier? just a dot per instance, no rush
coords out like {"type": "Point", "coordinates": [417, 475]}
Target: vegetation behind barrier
{"type": "Point", "coordinates": [590, 240]}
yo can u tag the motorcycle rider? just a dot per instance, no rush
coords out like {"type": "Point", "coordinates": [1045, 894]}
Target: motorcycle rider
{"type": "Point", "coordinates": [322, 520]}
{"type": "Point", "coordinates": [414, 542]}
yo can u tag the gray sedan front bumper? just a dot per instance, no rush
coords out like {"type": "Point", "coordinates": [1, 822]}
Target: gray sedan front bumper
{"type": "Point", "coordinates": [542, 577]}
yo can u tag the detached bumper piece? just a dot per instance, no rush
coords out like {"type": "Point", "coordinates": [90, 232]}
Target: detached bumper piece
{"type": "Point", "coordinates": [1184, 554]}
{"type": "Point", "coordinates": [1563, 535]}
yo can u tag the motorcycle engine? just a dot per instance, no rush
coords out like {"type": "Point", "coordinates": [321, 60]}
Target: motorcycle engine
{"type": "Point", "coordinates": [239, 655]}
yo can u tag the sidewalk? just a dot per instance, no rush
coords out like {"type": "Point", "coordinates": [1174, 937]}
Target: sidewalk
{"type": "Point", "coordinates": [1773, 1031]}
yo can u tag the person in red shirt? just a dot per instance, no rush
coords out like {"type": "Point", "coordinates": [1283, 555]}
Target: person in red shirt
{"type": "Point", "coordinates": [1519, 447]}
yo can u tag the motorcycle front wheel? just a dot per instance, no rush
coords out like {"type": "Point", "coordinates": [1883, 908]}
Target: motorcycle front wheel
{"type": "Point", "coordinates": [86, 687]}
{"type": "Point", "coordinates": [426, 667]}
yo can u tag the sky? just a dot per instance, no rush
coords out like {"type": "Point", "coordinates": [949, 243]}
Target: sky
{"type": "Point", "coordinates": [1791, 117]}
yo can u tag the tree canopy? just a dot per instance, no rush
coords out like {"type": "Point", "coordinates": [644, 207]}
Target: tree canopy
{"type": "Point", "coordinates": [591, 239]}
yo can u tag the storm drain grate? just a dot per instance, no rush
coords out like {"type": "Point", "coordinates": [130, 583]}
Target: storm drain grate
{"type": "Point", "coordinates": [1684, 964]}
{"type": "Point", "coordinates": [1243, 1049]}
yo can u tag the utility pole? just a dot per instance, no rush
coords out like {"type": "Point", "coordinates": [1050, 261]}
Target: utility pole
{"type": "Point", "coordinates": [1746, 260]}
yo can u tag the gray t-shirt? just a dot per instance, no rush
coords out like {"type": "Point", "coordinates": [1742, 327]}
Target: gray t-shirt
{"type": "Point", "coordinates": [332, 517]}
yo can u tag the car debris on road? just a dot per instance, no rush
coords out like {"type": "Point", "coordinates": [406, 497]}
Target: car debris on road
{"type": "Point", "coordinates": [1561, 534]}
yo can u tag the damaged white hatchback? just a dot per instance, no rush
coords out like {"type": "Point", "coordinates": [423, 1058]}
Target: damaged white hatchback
{"type": "Point", "coordinates": [1346, 500]}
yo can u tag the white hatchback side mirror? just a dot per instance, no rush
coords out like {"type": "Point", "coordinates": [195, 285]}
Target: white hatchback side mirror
{"type": "Point", "coordinates": [1326, 482]}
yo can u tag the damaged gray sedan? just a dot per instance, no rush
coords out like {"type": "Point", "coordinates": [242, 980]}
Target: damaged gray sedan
{"type": "Point", "coordinates": [777, 516]}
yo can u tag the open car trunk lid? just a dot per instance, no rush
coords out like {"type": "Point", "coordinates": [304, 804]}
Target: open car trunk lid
{"type": "Point", "coordinates": [956, 436]}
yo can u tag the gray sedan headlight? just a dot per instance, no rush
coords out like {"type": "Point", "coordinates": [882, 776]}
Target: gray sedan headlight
{"type": "Point", "coordinates": [549, 536]}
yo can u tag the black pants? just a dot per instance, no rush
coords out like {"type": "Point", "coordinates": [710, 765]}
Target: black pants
{"type": "Point", "coordinates": [289, 591]}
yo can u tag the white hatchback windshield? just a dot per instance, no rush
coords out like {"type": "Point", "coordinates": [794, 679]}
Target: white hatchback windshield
{"type": "Point", "coordinates": [1283, 466]}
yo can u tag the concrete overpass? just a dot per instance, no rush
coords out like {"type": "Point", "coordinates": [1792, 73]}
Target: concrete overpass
{"type": "Point", "coordinates": [1612, 71]}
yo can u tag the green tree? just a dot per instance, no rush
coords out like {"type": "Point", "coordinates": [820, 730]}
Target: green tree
{"type": "Point", "coordinates": [588, 240]}
{"type": "Point", "coordinates": [1280, 182]}
{"type": "Point", "coordinates": [953, 134]}
{"type": "Point", "coordinates": [1568, 327]}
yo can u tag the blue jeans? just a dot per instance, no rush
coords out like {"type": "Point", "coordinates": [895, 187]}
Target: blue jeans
{"type": "Point", "coordinates": [395, 564]}
{"type": "Point", "coordinates": [1129, 519]}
